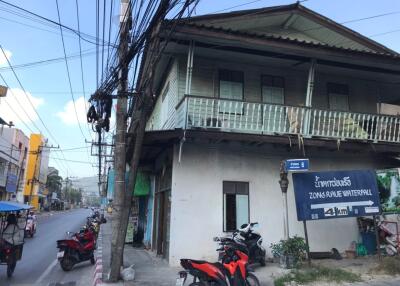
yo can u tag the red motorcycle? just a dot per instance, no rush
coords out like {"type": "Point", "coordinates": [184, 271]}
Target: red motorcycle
{"type": "Point", "coordinates": [80, 247]}
{"type": "Point", "coordinates": [233, 271]}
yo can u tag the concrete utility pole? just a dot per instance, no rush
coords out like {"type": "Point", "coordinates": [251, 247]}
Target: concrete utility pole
{"type": "Point", "coordinates": [33, 181]}
{"type": "Point", "coordinates": [121, 205]}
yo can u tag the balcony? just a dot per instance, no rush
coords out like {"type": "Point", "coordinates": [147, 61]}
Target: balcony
{"type": "Point", "coordinates": [271, 119]}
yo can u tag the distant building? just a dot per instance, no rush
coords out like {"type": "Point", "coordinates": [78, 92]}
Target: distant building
{"type": "Point", "coordinates": [13, 153]}
{"type": "Point", "coordinates": [36, 175]}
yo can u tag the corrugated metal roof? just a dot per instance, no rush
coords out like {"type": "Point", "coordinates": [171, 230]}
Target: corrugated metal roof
{"type": "Point", "coordinates": [286, 39]}
{"type": "Point", "coordinates": [308, 27]}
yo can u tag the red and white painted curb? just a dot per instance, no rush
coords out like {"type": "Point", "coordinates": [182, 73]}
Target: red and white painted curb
{"type": "Point", "coordinates": [98, 270]}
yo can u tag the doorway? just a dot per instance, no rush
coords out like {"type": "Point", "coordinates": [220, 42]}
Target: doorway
{"type": "Point", "coordinates": [162, 213]}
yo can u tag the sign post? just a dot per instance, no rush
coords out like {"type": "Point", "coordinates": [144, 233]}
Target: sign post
{"type": "Point", "coordinates": [287, 166]}
{"type": "Point", "coordinates": [307, 243]}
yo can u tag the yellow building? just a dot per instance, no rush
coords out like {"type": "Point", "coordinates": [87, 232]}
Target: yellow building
{"type": "Point", "coordinates": [36, 171]}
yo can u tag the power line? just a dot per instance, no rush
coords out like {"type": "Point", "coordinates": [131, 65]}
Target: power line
{"type": "Point", "coordinates": [33, 27]}
{"type": "Point", "coordinates": [48, 61]}
{"type": "Point", "coordinates": [236, 6]}
{"type": "Point", "coordinates": [23, 89]}
{"type": "Point", "coordinates": [385, 33]}
{"type": "Point", "coordinates": [16, 113]}
{"type": "Point", "coordinates": [69, 76]}
{"type": "Point", "coordinates": [81, 61]}
{"type": "Point", "coordinates": [20, 105]}
{"type": "Point", "coordinates": [51, 21]}
{"type": "Point", "coordinates": [109, 32]}
{"type": "Point", "coordinates": [55, 150]}
{"type": "Point", "coordinates": [104, 28]}
{"type": "Point", "coordinates": [82, 73]}
{"type": "Point", "coordinates": [73, 161]}
{"type": "Point", "coordinates": [97, 42]}
{"type": "Point", "coordinates": [29, 100]}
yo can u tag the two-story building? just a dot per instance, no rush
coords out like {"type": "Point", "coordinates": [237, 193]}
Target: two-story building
{"type": "Point", "coordinates": [236, 93]}
{"type": "Point", "coordinates": [13, 152]}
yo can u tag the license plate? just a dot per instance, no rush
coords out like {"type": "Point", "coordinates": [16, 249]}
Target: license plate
{"type": "Point", "coordinates": [60, 254]}
{"type": "Point", "coordinates": [180, 281]}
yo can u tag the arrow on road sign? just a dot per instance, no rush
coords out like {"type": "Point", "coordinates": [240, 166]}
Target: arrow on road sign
{"type": "Point", "coordinates": [343, 204]}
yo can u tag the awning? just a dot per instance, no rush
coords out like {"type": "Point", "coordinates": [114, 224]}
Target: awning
{"type": "Point", "coordinates": [8, 206]}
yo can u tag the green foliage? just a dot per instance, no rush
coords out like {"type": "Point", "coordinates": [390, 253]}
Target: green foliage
{"type": "Point", "coordinates": [74, 196]}
{"type": "Point", "coordinates": [384, 180]}
{"type": "Point", "coordinates": [54, 183]}
{"type": "Point", "coordinates": [294, 246]}
{"type": "Point", "coordinates": [309, 275]}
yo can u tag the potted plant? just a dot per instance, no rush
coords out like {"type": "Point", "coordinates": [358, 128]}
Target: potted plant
{"type": "Point", "coordinates": [290, 252]}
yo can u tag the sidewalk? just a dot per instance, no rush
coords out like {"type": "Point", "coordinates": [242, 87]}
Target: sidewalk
{"type": "Point", "coordinates": [149, 270]}
{"type": "Point", "coordinates": [153, 271]}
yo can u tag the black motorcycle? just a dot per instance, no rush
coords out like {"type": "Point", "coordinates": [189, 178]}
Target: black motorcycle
{"type": "Point", "coordinates": [252, 240]}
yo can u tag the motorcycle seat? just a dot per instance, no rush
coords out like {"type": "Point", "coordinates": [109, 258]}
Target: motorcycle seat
{"type": "Point", "coordinates": [198, 261]}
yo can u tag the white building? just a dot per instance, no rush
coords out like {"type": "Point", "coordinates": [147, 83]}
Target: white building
{"type": "Point", "coordinates": [13, 153]}
{"type": "Point", "coordinates": [236, 93]}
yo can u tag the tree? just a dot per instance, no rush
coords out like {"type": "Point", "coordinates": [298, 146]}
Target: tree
{"type": "Point", "coordinates": [73, 196]}
{"type": "Point", "coordinates": [54, 184]}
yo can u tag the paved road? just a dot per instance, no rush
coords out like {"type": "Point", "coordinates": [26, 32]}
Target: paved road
{"type": "Point", "coordinates": [39, 265]}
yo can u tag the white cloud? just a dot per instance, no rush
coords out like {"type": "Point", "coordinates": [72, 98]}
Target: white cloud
{"type": "Point", "coordinates": [16, 102]}
{"type": "Point", "coordinates": [3, 59]}
{"type": "Point", "coordinates": [68, 116]}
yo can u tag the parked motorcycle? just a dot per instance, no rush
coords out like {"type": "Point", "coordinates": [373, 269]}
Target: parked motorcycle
{"type": "Point", "coordinates": [31, 225]}
{"type": "Point", "coordinates": [251, 239]}
{"type": "Point", "coordinates": [233, 270]}
{"type": "Point", "coordinates": [78, 248]}
{"type": "Point", "coordinates": [94, 225]}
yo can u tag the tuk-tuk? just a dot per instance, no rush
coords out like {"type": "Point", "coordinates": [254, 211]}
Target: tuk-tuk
{"type": "Point", "coordinates": [13, 218]}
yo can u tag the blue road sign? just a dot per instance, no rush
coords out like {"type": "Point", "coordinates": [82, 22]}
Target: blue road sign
{"type": "Point", "coordinates": [338, 194]}
{"type": "Point", "coordinates": [297, 165]}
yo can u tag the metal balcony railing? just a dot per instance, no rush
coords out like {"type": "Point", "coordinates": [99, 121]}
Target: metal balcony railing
{"type": "Point", "coordinates": [261, 118]}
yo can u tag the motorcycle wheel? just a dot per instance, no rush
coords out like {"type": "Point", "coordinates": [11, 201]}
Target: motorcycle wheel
{"type": "Point", "coordinates": [32, 233]}
{"type": "Point", "coordinates": [92, 260]}
{"type": "Point", "coordinates": [66, 263]}
{"type": "Point", "coordinates": [10, 269]}
{"type": "Point", "coordinates": [252, 280]}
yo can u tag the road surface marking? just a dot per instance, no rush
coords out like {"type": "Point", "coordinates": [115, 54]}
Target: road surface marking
{"type": "Point", "coordinates": [46, 272]}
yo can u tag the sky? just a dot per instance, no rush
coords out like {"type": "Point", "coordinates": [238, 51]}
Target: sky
{"type": "Point", "coordinates": [46, 86]}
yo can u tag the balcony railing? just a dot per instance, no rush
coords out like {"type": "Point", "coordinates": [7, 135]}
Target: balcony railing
{"type": "Point", "coordinates": [248, 117]}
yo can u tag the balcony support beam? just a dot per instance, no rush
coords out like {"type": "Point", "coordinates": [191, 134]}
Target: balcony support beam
{"type": "Point", "coordinates": [310, 83]}
{"type": "Point", "coordinates": [309, 94]}
{"type": "Point", "coordinates": [189, 68]}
